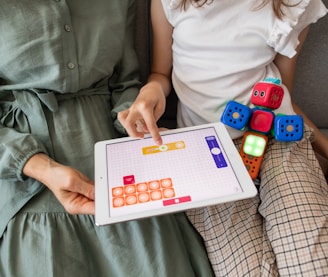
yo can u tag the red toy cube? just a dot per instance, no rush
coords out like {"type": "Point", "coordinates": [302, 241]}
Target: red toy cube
{"type": "Point", "coordinates": [261, 121]}
{"type": "Point", "coordinates": [268, 95]}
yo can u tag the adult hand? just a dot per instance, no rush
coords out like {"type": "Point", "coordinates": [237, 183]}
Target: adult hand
{"type": "Point", "coordinates": [72, 189]}
{"type": "Point", "coordinates": [143, 114]}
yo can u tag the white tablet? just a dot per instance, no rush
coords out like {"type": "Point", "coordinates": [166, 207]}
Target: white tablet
{"type": "Point", "coordinates": [195, 167]}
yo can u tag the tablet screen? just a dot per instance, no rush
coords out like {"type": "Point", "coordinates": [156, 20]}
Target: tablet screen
{"type": "Point", "coordinates": [190, 169]}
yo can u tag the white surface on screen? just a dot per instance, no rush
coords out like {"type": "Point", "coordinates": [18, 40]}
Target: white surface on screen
{"type": "Point", "coordinates": [193, 173]}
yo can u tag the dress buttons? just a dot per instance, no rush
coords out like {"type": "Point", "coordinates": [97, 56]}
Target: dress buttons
{"type": "Point", "coordinates": [71, 65]}
{"type": "Point", "coordinates": [68, 28]}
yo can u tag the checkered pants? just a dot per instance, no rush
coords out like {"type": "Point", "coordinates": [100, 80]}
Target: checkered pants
{"type": "Point", "coordinates": [283, 231]}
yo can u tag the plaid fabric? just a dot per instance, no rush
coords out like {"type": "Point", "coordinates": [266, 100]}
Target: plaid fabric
{"type": "Point", "coordinates": [281, 232]}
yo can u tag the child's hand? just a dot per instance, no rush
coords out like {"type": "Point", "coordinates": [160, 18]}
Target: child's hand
{"type": "Point", "coordinates": [143, 114]}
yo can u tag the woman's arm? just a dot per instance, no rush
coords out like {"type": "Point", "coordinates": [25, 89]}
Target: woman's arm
{"type": "Point", "coordinates": [124, 84]}
{"type": "Point", "coordinates": [142, 116]}
{"type": "Point", "coordinates": [73, 190]}
{"type": "Point", "coordinates": [287, 69]}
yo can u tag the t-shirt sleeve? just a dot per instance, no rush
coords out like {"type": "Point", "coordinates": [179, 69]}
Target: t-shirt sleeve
{"type": "Point", "coordinates": [285, 33]}
{"type": "Point", "coordinates": [171, 10]}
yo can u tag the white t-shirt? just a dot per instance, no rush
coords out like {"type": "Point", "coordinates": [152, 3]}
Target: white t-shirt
{"type": "Point", "coordinates": [221, 50]}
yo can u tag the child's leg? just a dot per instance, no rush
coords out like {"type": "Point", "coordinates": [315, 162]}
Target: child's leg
{"type": "Point", "coordinates": [235, 239]}
{"type": "Point", "coordinates": [294, 204]}
{"type": "Point", "coordinates": [292, 235]}
{"type": "Point", "coordinates": [323, 163]}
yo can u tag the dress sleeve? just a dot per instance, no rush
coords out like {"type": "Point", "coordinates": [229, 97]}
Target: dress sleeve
{"type": "Point", "coordinates": [17, 144]}
{"type": "Point", "coordinates": [124, 84]}
{"type": "Point", "coordinates": [285, 32]}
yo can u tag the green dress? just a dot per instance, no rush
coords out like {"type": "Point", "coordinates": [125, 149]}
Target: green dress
{"type": "Point", "coordinates": [66, 69]}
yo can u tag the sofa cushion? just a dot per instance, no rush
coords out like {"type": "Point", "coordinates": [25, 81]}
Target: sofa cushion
{"type": "Point", "coordinates": [311, 81]}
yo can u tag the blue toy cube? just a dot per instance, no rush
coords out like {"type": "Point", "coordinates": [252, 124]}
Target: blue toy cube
{"type": "Point", "coordinates": [288, 127]}
{"type": "Point", "coordinates": [236, 115]}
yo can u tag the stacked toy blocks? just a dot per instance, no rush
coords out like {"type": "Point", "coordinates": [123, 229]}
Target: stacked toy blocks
{"type": "Point", "coordinates": [261, 122]}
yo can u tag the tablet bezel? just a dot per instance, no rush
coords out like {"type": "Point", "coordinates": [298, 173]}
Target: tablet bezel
{"type": "Point", "coordinates": [102, 201]}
